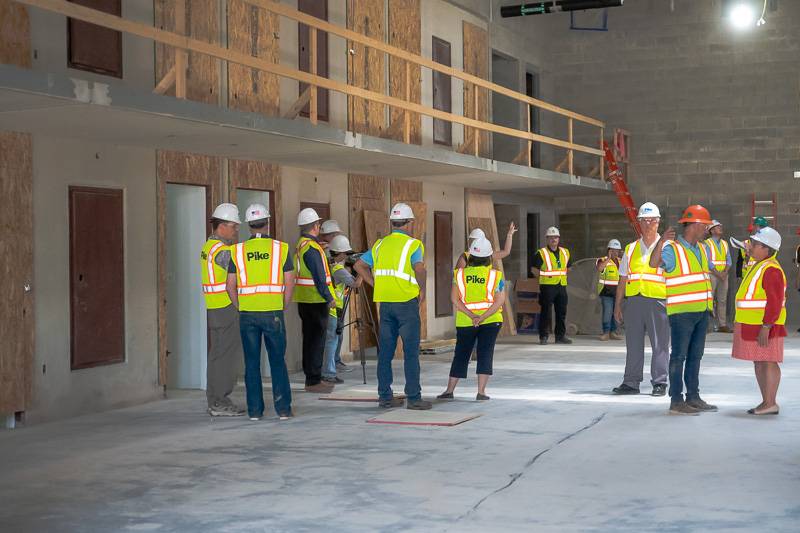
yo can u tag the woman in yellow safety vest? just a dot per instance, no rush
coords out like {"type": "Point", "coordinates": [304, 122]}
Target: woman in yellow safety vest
{"type": "Point", "coordinates": [760, 317]}
{"type": "Point", "coordinates": [478, 233]}
{"type": "Point", "coordinates": [608, 267]}
{"type": "Point", "coordinates": [478, 298]}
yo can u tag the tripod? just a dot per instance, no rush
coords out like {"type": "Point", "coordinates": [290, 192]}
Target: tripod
{"type": "Point", "coordinates": [361, 323]}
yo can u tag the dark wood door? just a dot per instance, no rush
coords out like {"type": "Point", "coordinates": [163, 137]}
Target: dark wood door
{"type": "Point", "coordinates": [442, 93]}
{"type": "Point", "coordinates": [532, 90]}
{"type": "Point", "coordinates": [95, 48]}
{"type": "Point", "coordinates": [323, 210]}
{"type": "Point", "coordinates": [443, 253]}
{"type": "Point", "coordinates": [97, 276]}
{"type": "Point", "coordinates": [319, 9]}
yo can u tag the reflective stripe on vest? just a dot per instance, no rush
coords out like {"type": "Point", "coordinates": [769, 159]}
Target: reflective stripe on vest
{"type": "Point", "coordinates": [477, 297]}
{"type": "Point", "coordinates": [395, 279]}
{"type": "Point", "coordinates": [689, 283]}
{"type": "Point", "coordinates": [751, 298]}
{"type": "Point", "coordinates": [609, 277]}
{"type": "Point", "coordinates": [305, 290]}
{"type": "Point", "coordinates": [214, 276]}
{"type": "Point", "coordinates": [260, 286]}
{"type": "Point", "coordinates": [719, 256]}
{"type": "Point", "coordinates": [642, 279]}
{"type": "Point", "coordinates": [549, 274]}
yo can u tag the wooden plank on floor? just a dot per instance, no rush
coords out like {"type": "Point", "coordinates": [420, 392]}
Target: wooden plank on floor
{"type": "Point", "coordinates": [435, 417]}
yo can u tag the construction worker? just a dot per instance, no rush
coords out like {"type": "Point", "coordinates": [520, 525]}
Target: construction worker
{"type": "Point", "coordinates": [222, 318]}
{"type": "Point", "coordinates": [645, 309]}
{"type": "Point", "coordinates": [551, 265]}
{"type": "Point", "coordinates": [330, 230]}
{"type": "Point", "coordinates": [314, 296]}
{"type": "Point", "coordinates": [608, 267]}
{"type": "Point", "coordinates": [686, 263]}
{"type": "Point", "coordinates": [744, 262]}
{"type": "Point", "coordinates": [720, 265]}
{"type": "Point", "coordinates": [260, 281]}
{"type": "Point", "coordinates": [397, 263]}
{"type": "Point", "coordinates": [339, 248]}
{"type": "Point", "coordinates": [478, 298]}
{"type": "Point", "coordinates": [478, 233]}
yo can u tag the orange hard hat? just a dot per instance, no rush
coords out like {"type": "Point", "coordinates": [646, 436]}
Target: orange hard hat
{"type": "Point", "coordinates": [696, 213]}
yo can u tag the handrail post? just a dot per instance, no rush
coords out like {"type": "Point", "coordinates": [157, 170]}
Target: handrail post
{"type": "Point", "coordinates": [602, 157]}
{"type": "Point", "coordinates": [181, 56]}
{"type": "Point", "coordinates": [570, 153]}
{"type": "Point", "coordinates": [407, 113]}
{"type": "Point", "coordinates": [312, 44]}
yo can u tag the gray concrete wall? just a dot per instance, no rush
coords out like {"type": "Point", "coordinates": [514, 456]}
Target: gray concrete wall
{"type": "Point", "coordinates": [57, 390]}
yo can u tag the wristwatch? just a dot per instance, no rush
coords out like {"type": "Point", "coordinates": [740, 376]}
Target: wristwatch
{"type": "Point", "coordinates": [768, 326]}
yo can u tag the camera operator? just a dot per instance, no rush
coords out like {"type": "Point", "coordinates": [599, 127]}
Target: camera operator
{"type": "Point", "coordinates": [341, 263]}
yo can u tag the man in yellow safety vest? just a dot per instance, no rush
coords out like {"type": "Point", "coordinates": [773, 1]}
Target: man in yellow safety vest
{"type": "Point", "coordinates": [224, 346]}
{"type": "Point", "coordinates": [719, 249]}
{"type": "Point", "coordinates": [686, 263]}
{"type": "Point", "coordinates": [395, 266]}
{"type": "Point", "coordinates": [551, 264]}
{"type": "Point", "coordinates": [260, 281]}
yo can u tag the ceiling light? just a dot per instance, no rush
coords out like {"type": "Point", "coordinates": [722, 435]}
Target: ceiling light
{"type": "Point", "coordinates": [742, 16]}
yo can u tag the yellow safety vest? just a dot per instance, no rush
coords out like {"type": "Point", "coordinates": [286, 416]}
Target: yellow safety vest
{"type": "Point", "coordinates": [259, 273]}
{"type": "Point", "coordinates": [747, 261]}
{"type": "Point", "coordinates": [305, 291]}
{"type": "Point", "coordinates": [213, 275]}
{"type": "Point", "coordinates": [609, 276]}
{"type": "Point", "coordinates": [751, 298]}
{"type": "Point", "coordinates": [395, 280]}
{"type": "Point", "coordinates": [642, 278]}
{"type": "Point", "coordinates": [551, 273]}
{"type": "Point", "coordinates": [719, 254]}
{"type": "Point", "coordinates": [689, 284]}
{"type": "Point", "coordinates": [477, 286]}
{"type": "Point", "coordinates": [338, 290]}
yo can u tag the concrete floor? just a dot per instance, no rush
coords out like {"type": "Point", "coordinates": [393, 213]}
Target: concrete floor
{"type": "Point", "coordinates": [554, 451]}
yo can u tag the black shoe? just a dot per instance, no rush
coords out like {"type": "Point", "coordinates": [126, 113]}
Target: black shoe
{"type": "Point", "coordinates": [445, 396]}
{"type": "Point", "coordinates": [701, 405]}
{"type": "Point", "coordinates": [418, 405]}
{"type": "Point", "coordinates": [625, 389]}
{"type": "Point", "coordinates": [388, 404]}
{"type": "Point", "coordinates": [659, 389]}
{"type": "Point", "coordinates": [563, 340]}
{"type": "Point", "coordinates": [542, 340]}
{"type": "Point", "coordinates": [481, 397]}
{"type": "Point", "coordinates": [334, 379]}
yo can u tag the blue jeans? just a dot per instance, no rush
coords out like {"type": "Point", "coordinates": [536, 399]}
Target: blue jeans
{"type": "Point", "coordinates": [332, 340]}
{"type": "Point", "coordinates": [399, 319]}
{"type": "Point", "coordinates": [268, 325]}
{"type": "Point", "coordinates": [609, 324]}
{"type": "Point", "coordinates": [688, 333]}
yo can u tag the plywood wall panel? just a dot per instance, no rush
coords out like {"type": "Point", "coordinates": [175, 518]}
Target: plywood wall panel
{"type": "Point", "coordinates": [405, 31]}
{"type": "Point", "coordinates": [476, 62]}
{"type": "Point", "coordinates": [366, 66]}
{"type": "Point", "coordinates": [254, 31]}
{"type": "Point", "coordinates": [15, 34]}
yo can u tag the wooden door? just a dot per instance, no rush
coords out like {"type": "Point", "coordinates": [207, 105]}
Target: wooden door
{"type": "Point", "coordinates": [323, 210]}
{"type": "Point", "coordinates": [95, 48]}
{"type": "Point", "coordinates": [319, 9]}
{"type": "Point", "coordinates": [16, 271]}
{"type": "Point", "coordinates": [443, 269]}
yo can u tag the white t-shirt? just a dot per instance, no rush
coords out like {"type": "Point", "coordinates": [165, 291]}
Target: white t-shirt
{"type": "Point", "coordinates": [646, 250]}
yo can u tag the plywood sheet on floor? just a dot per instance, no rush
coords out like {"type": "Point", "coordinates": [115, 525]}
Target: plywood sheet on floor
{"type": "Point", "coordinates": [408, 417]}
{"type": "Point", "coordinates": [405, 31]}
{"type": "Point", "coordinates": [356, 396]}
{"type": "Point", "coordinates": [366, 66]}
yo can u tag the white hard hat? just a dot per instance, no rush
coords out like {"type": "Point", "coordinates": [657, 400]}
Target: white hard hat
{"type": "Point", "coordinates": [401, 211]}
{"type": "Point", "coordinates": [256, 212]}
{"type": "Point", "coordinates": [649, 210]}
{"type": "Point", "coordinates": [477, 233]}
{"type": "Point", "coordinates": [227, 212]}
{"type": "Point", "coordinates": [307, 216]}
{"type": "Point", "coordinates": [481, 247]}
{"type": "Point", "coordinates": [330, 226]}
{"type": "Point", "coordinates": [552, 231]}
{"type": "Point", "coordinates": [614, 244]}
{"type": "Point", "coordinates": [339, 244]}
{"type": "Point", "coordinates": [768, 236]}
{"type": "Point", "coordinates": [714, 224]}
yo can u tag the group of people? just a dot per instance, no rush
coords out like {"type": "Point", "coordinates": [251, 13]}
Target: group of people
{"type": "Point", "coordinates": [668, 285]}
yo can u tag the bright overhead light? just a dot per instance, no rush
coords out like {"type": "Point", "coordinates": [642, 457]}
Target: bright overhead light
{"type": "Point", "coordinates": [742, 16]}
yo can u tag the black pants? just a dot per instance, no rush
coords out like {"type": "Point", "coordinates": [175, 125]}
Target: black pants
{"type": "Point", "coordinates": [552, 295]}
{"type": "Point", "coordinates": [485, 336]}
{"type": "Point", "coordinates": [315, 324]}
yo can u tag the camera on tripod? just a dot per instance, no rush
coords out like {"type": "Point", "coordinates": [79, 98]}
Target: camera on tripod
{"type": "Point", "coordinates": [352, 257]}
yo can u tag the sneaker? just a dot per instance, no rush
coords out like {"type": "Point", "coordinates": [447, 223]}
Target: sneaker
{"type": "Point", "coordinates": [481, 397]}
{"type": "Point", "coordinates": [321, 388]}
{"type": "Point", "coordinates": [255, 418]}
{"type": "Point", "coordinates": [418, 405]}
{"type": "Point", "coordinates": [388, 404]}
{"type": "Point", "coordinates": [543, 340]}
{"type": "Point", "coordinates": [625, 389]}
{"type": "Point", "coordinates": [445, 396]}
{"type": "Point", "coordinates": [659, 389]}
{"type": "Point", "coordinates": [604, 337]}
{"type": "Point", "coordinates": [341, 367]}
{"type": "Point", "coordinates": [286, 416]}
{"type": "Point", "coordinates": [683, 408]}
{"type": "Point", "coordinates": [615, 336]}
{"type": "Point", "coordinates": [225, 410]}
{"type": "Point", "coordinates": [563, 340]}
{"type": "Point", "coordinates": [334, 380]}
{"type": "Point", "coordinates": [701, 405]}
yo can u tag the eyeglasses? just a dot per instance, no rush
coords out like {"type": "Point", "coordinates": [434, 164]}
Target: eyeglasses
{"type": "Point", "coordinates": [649, 220]}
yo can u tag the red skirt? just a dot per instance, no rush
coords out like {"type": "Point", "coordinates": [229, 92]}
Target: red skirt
{"type": "Point", "coordinates": [751, 351]}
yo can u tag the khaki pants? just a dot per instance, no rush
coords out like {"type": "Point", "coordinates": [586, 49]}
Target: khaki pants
{"type": "Point", "coordinates": [719, 288]}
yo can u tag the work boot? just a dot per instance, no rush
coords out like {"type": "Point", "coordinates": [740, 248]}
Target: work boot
{"type": "Point", "coordinates": [335, 380]}
{"type": "Point", "coordinates": [683, 408]}
{"type": "Point", "coordinates": [625, 390]}
{"type": "Point", "coordinates": [321, 388]}
{"type": "Point", "coordinates": [701, 405]}
{"type": "Point", "coordinates": [218, 409]}
{"type": "Point", "coordinates": [724, 329]}
{"type": "Point", "coordinates": [604, 337]}
{"type": "Point", "coordinates": [387, 404]}
{"type": "Point", "coordinates": [563, 340]}
{"type": "Point", "coordinates": [341, 367]}
{"type": "Point", "coordinates": [659, 389]}
{"type": "Point", "coordinates": [543, 340]}
{"type": "Point", "coordinates": [615, 336]}
{"type": "Point", "coordinates": [418, 405]}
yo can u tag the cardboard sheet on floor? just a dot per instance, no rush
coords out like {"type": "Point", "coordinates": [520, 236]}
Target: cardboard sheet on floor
{"type": "Point", "coordinates": [407, 417]}
{"type": "Point", "coordinates": [355, 396]}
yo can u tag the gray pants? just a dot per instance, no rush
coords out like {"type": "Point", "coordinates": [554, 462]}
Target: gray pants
{"type": "Point", "coordinates": [719, 288]}
{"type": "Point", "coordinates": [224, 354]}
{"type": "Point", "coordinates": [645, 315]}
